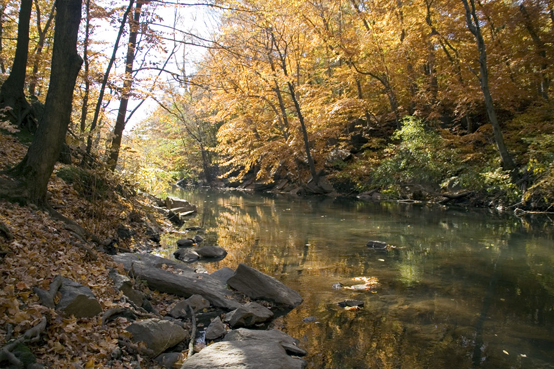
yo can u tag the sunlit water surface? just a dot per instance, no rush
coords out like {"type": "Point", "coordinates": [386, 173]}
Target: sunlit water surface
{"type": "Point", "coordinates": [462, 288]}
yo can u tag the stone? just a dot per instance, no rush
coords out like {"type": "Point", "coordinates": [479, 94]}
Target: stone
{"type": "Point", "coordinates": [273, 335]}
{"type": "Point", "coordinates": [211, 252]}
{"type": "Point", "coordinates": [248, 315]}
{"type": "Point", "coordinates": [243, 355]}
{"type": "Point", "coordinates": [175, 218]}
{"type": "Point", "coordinates": [181, 205]}
{"type": "Point", "coordinates": [168, 360]}
{"type": "Point", "coordinates": [125, 285]}
{"type": "Point", "coordinates": [216, 329]}
{"type": "Point", "coordinates": [378, 245]}
{"type": "Point", "coordinates": [188, 256]}
{"type": "Point", "coordinates": [181, 280]}
{"type": "Point", "coordinates": [197, 238]}
{"type": "Point", "coordinates": [157, 334]}
{"type": "Point", "coordinates": [223, 274]}
{"type": "Point", "coordinates": [258, 285]}
{"type": "Point", "coordinates": [77, 300]}
{"type": "Point", "coordinates": [180, 310]}
{"type": "Point", "coordinates": [185, 242]}
{"type": "Point", "coordinates": [351, 303]}
{"type": "Point", "coordinates": [198, 303]}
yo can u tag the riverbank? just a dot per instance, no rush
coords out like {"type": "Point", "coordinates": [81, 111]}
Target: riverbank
{"type": "Point", "coordinates": [65, 302]}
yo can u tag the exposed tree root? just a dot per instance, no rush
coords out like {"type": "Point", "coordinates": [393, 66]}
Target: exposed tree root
{"type": "Point", "coordinates": [31, 335]}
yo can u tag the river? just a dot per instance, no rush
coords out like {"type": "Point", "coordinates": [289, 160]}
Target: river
{"type": "Point", "coordinates": [461, 288]}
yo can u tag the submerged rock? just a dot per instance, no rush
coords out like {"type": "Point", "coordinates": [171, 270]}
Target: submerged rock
{"type": "Point", "coordinates": [188, 256]}
{"type": "Point", "coordinates": [211, 252]}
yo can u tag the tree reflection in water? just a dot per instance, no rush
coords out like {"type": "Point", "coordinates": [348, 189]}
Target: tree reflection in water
{"type": "Point", "coordinates": [462, 289]}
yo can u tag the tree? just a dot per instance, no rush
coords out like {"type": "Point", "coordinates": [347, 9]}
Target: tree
{"type": "Point", "coordinates": [474, 27]}
{"type": "Point", "coordinates": [127, 86]}
{"type": "Point", "coordinates": [11, 92]}
{"type": "Point", "coordinates": [36, 167]}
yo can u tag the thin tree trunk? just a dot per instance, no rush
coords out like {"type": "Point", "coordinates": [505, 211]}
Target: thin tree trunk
{"type": "Point", "coordinates": [127, 86]}
{"type": "Point", "coordinates": [473, 25]}
{"type": "Point", "coordinates": [84, 107]}
{"type": "Point", "coordinates": [104, 83]}
{"type": "Point", "coordinates": [37, 166]}
{"type": "Point", "coordinates": [2, 11]}
{"type": "Point", "coordinates": [42, 32]}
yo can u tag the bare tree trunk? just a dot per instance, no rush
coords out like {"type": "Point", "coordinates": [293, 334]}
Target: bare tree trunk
{"type": "Point", "coordinates": [37, 166]}
{"type": "Point", "coordinates": [2, 12]}
{"type": "Point", "coordinates": [473, 25]}
{"type": "Point", "coordinates": [127, 86]}
{"type": "Point", "coordinates": [40, 45]}
{"type": "Point", "coordinates": [84, 107]}
{"type": "Point", "coordinates": [104, 83]}
{"type": "Point", "coordinates": [11, 93]}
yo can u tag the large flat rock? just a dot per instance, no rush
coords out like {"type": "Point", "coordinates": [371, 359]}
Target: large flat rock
{"type": "Point", "coordinates": [243, 355]}
{"type": "Point", "coordinates": [180, 280]}
{"type": "Point", "coordinates": [258, 285]}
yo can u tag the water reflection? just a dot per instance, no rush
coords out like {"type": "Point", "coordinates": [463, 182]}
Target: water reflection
{"type": "Point", "coordinates": [462, 289]}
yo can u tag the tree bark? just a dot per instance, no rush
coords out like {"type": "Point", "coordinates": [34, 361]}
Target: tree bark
{"type": "Point", "coordinates": [37, 166]}
{"type": "Point", "coordinates": [127, 86]}
{"type": "Point", "coordinates": [42, 32]}
{"type": "Point", "coordinates": [84, 107]}
{"type": "Point", "coordinates": [104, 83]}
{"type": "Point", "coordinates": [11, 93]}
{"type": "Point", "coordinates": [474, 28]}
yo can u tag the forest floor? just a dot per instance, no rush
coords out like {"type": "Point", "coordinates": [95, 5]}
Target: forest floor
{"type": "Point", "coordinates": [36, 248]}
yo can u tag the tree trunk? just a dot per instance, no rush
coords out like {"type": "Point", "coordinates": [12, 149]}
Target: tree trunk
{"type": "Point", "coordinates": [42, 32]}
{"type": "Point", "coordinates": [127, 86]}
{"type": "Point", "coordinates": [104, 83]}
{"type": "Point", "coordinates": [37, 166]}
{"type": "Point", "coordinates": [2, 13]}
{"type": "Point", "coordinates": [84, 107]}
{"type": "Point", "coordinates": [473, 25]}
{"type": "Point", "coordinates": [11, 93]}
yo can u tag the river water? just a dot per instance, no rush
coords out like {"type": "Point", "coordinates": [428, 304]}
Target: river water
{"type": "Point", "coordinates": [461, 289]}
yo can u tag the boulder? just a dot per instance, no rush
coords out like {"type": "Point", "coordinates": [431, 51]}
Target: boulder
{"type": "Point", "coordinates": [248, 315]}
{"type": "Point", "coordinates": [188, 256]}
{"type": "Point", "coordinates": [243, 355]}
{"type": "Point", "coordinates": [77, 300]}
{"type": "Point", "coordinates": [223, 274]}
{"type": "Point", "coordinates": [169, 359]}
{"type": "Point", "coordinates": [211, 252]}
{"type": "Point", "coordinates": [125, 285]}
{"type": "Point", "coordinates": [182, 281]}
{"type": "Point", "coordinates": [273, 335]}
{"type": "Point", "coordinates": [157, 334]}
{"type": "Point", "coordinates": [258, 285]}
{"type": "Point", "coordinates": [179, 205]}
{"type": "Point", "coordinates": [216, 329]}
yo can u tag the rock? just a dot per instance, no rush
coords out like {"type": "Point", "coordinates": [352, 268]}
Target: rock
{"type": "Point", "coordinates": [169, 359]}
{"type": "Point", "coordinates": [258, 285]}
{"type": "Point", "coordinates": [5, 232]}
{"type": "Point", "coordinates": [185, 242]}
{"type": "Point", "coordinates": [188, 256]}
{"type": "Point", "coordinates": [211, 252]}
{"type": "Point", "coordinates": [157, 334]}
{"type": "Point", "coordinates": [216, 329]}
{"type": "Point", "coordinates": [223, 274]}
{"type": "Point", "coordinates": [351, 303]}
{"type": "Point", "coordinates": [153, 233]}
{"type": "Point", "coordinates": [77, 300]}
{"type": "Point", "coordinates": [273, 335]}
{"type": "Point", "coordinates": [183, 281]}
{"type": "Point", "coordinates": [181, 205]}
{"type": "Point", "coordinates": [195, 228]}
{"type": "Point", "coordinates": [197, 238]}
{"type": "Point", "coordinates": [198, 303]}
{"type": "Point", "coordinates": [248, 315]}
{"type": "Point", "coordinates": [370, 196]}
{"type": "Point", "coordinates": [309, 319]}
{"type": "Point", "coordinates": [180, 310]}
{"type": "Point", "coordinates": [243, 355]}
{"type": "Point", "coordinates": [337, 286]}
{"type": "Point", "coordinates": [377, 245]}
{"type": "Point", "coordinates": [125, 285]}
